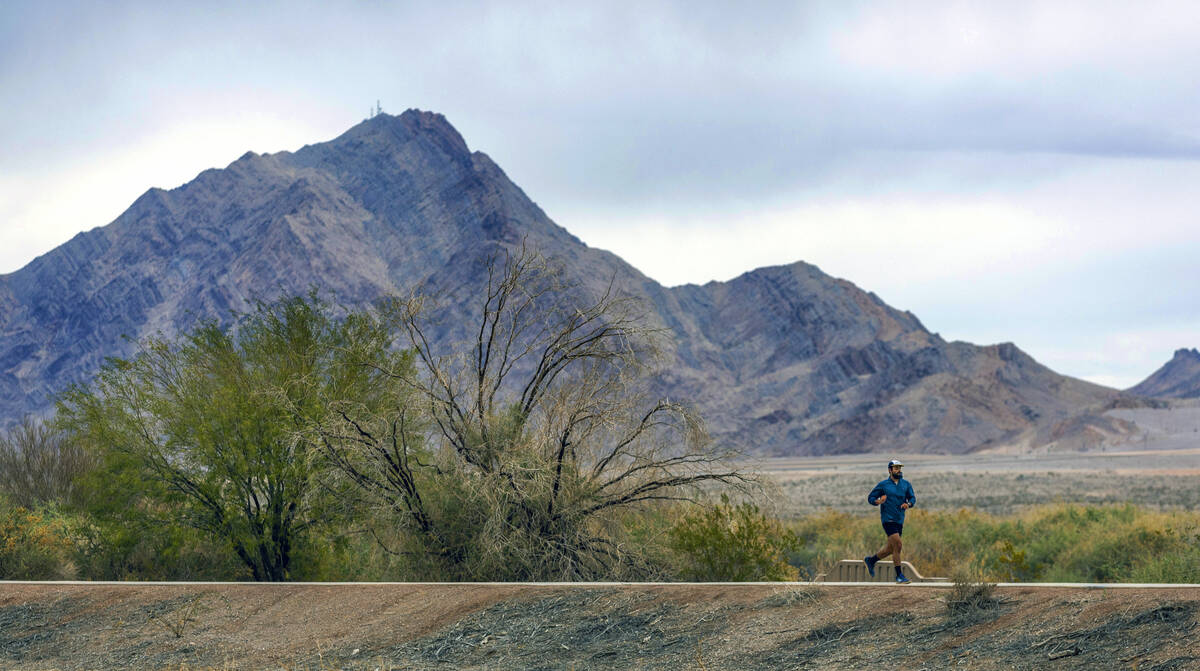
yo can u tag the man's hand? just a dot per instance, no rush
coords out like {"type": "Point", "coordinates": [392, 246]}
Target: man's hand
{"type": "Point", "coordinates": [904, 506]}
{"type": "Point", "coordinates": [881, 499]}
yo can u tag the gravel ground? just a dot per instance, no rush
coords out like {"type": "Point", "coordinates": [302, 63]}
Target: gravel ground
{"type": "Point", "coordinates": [683, 626]}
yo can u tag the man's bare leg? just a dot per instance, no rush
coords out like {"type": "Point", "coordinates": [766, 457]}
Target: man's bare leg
{"type": "Point", "coordinates": [894, 541]}
{"type": "Point", "coordinates": [892, 545]}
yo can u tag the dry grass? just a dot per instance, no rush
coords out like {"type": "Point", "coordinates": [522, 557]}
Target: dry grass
{"type": "Point", "coordinates": [994, 493]}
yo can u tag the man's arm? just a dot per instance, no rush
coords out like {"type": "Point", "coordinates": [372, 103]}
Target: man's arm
{"type": "Point", "coordinates": [910, 496]}
{"type": "Point", "coordinates": [873, 497]}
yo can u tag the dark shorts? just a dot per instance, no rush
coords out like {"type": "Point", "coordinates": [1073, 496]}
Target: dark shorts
{"type": "Point", "coordinates": [890, 528]}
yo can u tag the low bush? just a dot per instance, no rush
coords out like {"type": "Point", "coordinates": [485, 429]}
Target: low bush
{"type": "Point", "coordinates": [34, 545]}
{"type": "Point", "coordinates": [727, 542]}
{"type": "Point", "coordinates": [114, 551]}
{"type": "Point", "coordinates": [1100, 543]}
{"type": "Point", "coordinates": [1181, 565]}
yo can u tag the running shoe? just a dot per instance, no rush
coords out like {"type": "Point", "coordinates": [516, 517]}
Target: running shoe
{"type": "Point", "coordinates": [870, 562]}
{"type": "Point", "coordinates": [902, 579]}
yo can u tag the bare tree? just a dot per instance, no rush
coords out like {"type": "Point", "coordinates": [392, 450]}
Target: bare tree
{"type": "Point", "coordinates": [519, 454]}
{"type": "Point", "coordinates": [40, 464]}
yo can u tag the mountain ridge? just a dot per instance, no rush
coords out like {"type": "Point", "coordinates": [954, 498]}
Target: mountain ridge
{"type": "Point", "coordinates": [1177, 378]}
{"type": "Point", "coordinates": [783, 359]}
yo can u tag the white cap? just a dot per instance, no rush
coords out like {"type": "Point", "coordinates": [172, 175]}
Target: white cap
{"type": "Point", "coordinates": [894, 462]}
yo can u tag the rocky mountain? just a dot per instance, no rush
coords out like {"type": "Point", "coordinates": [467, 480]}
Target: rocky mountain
{"type": "Point", "coordinates": [1178, 378]}
{"type": "Point", "coordinates": [783, 360]}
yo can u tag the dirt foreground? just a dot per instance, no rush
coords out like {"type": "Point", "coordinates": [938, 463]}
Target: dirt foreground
{"type": "Point", "coordinates": [681, 626]}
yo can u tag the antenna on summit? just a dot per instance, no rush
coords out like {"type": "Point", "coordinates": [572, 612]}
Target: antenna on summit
{"type": "Point", "coordinates": [376, 111]}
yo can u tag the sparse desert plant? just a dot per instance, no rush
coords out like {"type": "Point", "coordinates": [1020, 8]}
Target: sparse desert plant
{"type": "Point", "coordinates": [971, 594]}
{"type": "Point", "coordinates": [178, 622]}
{"type": "Point", "coordinates": [791, 596]}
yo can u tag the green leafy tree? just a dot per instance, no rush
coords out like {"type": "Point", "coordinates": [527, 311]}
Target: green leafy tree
{"type": "Point", "coordinates": [727, 542]}
{"type": "Point", "coordinates": [206, 432]}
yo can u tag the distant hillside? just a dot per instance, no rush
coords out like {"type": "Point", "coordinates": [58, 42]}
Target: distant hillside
{"type": "Point", "coordinates": [1178, 378]}
{"type": "Point", "coordinates": [784, 360]}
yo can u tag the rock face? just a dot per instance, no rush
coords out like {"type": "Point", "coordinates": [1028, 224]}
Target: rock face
{"type": "Point", "coordinates": [1178, 378]}
{"type": "Point", "coordinates": [783, 360]}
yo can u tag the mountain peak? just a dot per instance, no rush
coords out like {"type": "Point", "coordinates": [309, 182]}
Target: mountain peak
{"type": "Point", "coordinates": [400, 201]}
{"type": "Point", "coordinates": [411, 125]}
{"type": "Point", "coordinates": [1178, 378]}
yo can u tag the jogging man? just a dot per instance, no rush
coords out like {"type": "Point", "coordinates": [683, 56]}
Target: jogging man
{"type": "Point", "coordinates": [893, 496]}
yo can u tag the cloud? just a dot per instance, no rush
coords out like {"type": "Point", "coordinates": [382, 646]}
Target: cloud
{"type": "Point", "coordinates": [1086, 263]}
{"type": "Point", "coordinates": [877, 241]}
{"type": "Point", "coordinates": [1118, 358]}
{"type": "Point", "coordinates": [992, 167]}
{"type": "Point", "coordinates": [1016, 41]}
{"type": "Point", "coordinates": [74, 197]}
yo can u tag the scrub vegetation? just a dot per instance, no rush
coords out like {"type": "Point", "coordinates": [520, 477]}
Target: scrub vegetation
{"type": "Point", "coordinates": [313, 442]}
{"type": "Point", "coordinates": [1050, 543]}
{"type": "Point", "coordinates": [717, 541]}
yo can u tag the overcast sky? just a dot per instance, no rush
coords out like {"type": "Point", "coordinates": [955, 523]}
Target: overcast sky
{"type": "Point", "coordinates": [1025, 172]}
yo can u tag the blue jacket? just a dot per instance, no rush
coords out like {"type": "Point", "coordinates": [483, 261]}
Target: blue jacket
{"type": "Point", "coordinates": [897, 493]}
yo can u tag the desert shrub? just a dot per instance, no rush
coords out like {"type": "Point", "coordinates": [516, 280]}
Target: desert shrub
{"type": "Point", "coordinates": [1012, 564]}
{"type": "Point", "coordinates": [120, 537]}
{"type": "Point", "coordinates": [144, 552]}
{"type": "Point", "coordinates": [131, 549]}
{"type": "Point", "coordinates": [727, 542]}
{"type": "Point", "coordinates": [937, 542]}
{"type": "Point", "coordinates": [649, 528]}
{"type": "Point", "coordinates": [1180, 565]}
{"type": "Point", "coordinates": [40, 465]}
{"type": "Point", "coordinates": [830, 536]}
{"type": "Point", "coordinates": [34, 544]}
{"type": "Point", "coordinates": [353, 554]}
{"type": "Point", "coordinates": [1097, 543]}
